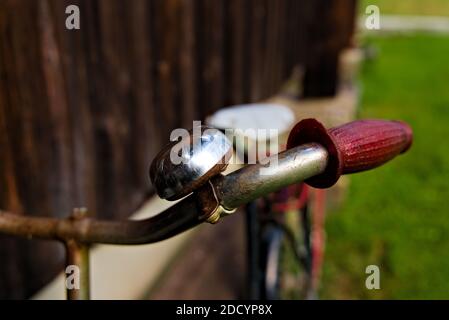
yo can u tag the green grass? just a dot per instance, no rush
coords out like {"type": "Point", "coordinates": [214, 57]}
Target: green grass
{"type": "Point", "coordinates": [397, 216]}
{"type": "Point", "coordinates": [409, 7]}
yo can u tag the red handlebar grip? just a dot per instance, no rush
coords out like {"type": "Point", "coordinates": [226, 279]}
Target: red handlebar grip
{"type": "Point", "coordinates": [366, 144]}
{"type": "Point", "coordinates": [356, 146]}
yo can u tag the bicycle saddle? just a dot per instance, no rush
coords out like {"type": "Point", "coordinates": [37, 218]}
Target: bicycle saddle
{"type": "Point", "coordinates": [183, 166]}
{"type": "Point", "coordinates": [254, 116]}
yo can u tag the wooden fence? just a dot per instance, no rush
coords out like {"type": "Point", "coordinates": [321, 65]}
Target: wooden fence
{"type": "Point", "coordinates": [83, 112]}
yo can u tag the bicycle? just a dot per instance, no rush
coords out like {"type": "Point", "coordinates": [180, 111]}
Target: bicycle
{"type": "Point", "coordinates": [314, 155]}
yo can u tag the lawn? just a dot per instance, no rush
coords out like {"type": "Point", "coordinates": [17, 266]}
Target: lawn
{"type": "Point", "coordinates": [397, 217]}
{"type": "Point", "coordinates": [409, 7]}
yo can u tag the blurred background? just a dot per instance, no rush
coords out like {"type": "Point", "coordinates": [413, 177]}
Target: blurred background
{"type": "Point", "coordinates": [406, 230]}
{"type": "Point", "coordinates": [83, 113]}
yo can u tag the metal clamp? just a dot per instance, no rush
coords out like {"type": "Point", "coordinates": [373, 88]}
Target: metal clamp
{"type": "Point", "coordinates": [210, 204]}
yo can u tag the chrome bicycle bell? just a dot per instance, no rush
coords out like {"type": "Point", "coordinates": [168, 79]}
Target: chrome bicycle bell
{"type": "Point", "coordinates": [184, 165]}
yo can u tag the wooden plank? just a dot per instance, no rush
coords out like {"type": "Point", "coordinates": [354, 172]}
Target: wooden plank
{"type": "Point", "coordinates": [210, 29]}
{"type": "Point", "coordinates": [189, 50]}
{"type": "Point", "coordinates": [238, 51]}
{"type": "Point", "coordinates": [326, 40]}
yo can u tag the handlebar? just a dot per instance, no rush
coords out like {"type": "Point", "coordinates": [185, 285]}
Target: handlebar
{"type": "Point", "coordinates": [314, 155]}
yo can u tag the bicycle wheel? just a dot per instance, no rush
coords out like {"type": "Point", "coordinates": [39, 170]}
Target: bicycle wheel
{"type": "Point", "coordinates": [284, 274]}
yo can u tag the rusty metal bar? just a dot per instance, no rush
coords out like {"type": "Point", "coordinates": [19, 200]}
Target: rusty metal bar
{"type": "Point", "coordinates": [176, 219]}
{"type": "Point", "coordinates": [77, 263]}
{"type": "Point", "coordinates": [244, 185]}
{"type": "Point", "coordinates": [78, 257]}
{"type": "Point", "coordinates": [253, 181]}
